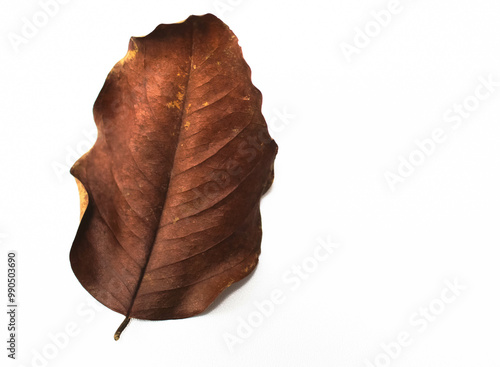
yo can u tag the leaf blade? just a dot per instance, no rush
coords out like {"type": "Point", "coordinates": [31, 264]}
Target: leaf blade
{"type": "Point", "coordinates": [174, 180]}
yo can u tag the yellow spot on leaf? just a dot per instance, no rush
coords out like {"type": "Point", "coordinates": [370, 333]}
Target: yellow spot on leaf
{"type": "Point", "coordinates": [205, 104]}
{"type": "Point", "coordinates": [186, 125]}
{"type": "Point", "coordinates": [174, 104]}
{"type": "Point", "coordinates": [180, 98]}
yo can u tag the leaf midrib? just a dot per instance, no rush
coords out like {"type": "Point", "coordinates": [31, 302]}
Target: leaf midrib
{"type": "Point", "coordinates": [183, 116]}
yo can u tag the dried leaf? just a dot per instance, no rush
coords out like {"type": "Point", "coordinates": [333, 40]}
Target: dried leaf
{"type": "Point", "coordinates": [170, 191]}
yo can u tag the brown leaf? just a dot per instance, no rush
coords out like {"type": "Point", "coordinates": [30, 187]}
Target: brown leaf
{"type": "Point", "coordinates": [174, 181]}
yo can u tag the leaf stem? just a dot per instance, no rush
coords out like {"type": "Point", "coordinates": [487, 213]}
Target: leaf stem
{"type": "Point", "coordinates": [121, 328]}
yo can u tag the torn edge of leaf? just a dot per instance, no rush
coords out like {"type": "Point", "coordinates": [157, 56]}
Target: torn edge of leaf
{"type": "Point", "coordinates": [84, 197]}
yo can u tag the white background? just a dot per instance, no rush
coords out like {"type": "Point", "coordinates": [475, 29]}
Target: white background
{"type": "Point", "coordinates": [352, 121]}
